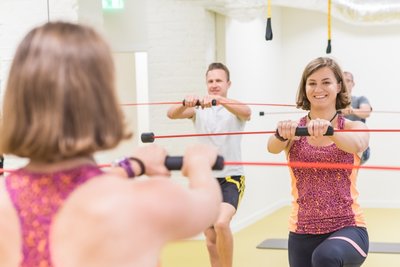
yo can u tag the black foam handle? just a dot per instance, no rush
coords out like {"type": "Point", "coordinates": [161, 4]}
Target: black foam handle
{"type": "Point", "coordinates": [303, 131]}
{"type": "Point", "coordinates": [213, 102]}
{"type": "Point", "coordinates": [175, 163]}
{"type": "Point", "coordinates": [329, 47]}
{"type": "Point", "coordinates": [268, 31]}
{"type": "Point", "coordinates": [147, 137]}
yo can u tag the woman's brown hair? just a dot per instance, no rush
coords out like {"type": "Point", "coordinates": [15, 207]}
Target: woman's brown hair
{"type": "Point", "coordinates": [342, 99]}
{"type": "Point", "coordinates": [60, 99]}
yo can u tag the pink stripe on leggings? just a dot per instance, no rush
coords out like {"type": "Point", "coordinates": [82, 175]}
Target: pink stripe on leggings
{"type": "Point", "coordinates": [354, 244]}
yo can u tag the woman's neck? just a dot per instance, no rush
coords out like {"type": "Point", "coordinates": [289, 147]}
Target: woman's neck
{"type": "Point", "coordinates": [329, 115]}
{"type": "Point", "coordinates": [37, 166]}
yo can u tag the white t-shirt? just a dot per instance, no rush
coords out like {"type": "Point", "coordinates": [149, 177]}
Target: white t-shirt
{"type": "Point", "coordinates": [218, 119]}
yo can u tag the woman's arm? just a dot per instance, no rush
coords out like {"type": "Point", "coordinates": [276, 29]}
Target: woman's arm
{"type": "Point", "coordinates": [281, 140]}
{"type": "Point", "coordinates": [352, 142]}
{"type": "Point", "coordinates": [179, 211]}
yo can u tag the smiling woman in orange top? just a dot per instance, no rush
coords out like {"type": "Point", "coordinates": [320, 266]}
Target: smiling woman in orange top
{"type": "Point", "coordinates": [327, 227]}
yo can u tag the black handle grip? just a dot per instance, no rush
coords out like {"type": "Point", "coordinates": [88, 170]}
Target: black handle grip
{"type": "Point", "coordinates": [175, 163]}
{"type": "Point", "coordinates": [329, 47]}
{"type": "Point", "coordinates": [303, 131]}
{"type": "Point", "coordinates": [213, 102]}
{"type": "Point", "coordinates": [268, 32]}
{"type": "Point", "coordinates": [147, 137]}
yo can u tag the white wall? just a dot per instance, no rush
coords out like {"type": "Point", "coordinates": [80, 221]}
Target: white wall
{"type": "Point", "coordinates": [126, 29]}
{"type": "Point", "coordinates": [256, 74]}
{"type": "Point", "coordinates": [181, 45]}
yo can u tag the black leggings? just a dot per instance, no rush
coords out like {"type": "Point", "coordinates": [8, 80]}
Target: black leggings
{"type": "Point", "coordinates": [329, 250]}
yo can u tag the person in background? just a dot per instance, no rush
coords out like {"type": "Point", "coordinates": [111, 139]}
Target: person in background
{"type": "Point", "coordinates": [326, 226]}
{"type": "Point", "coordinates": [1, 163]}
{"type": "Point", "coordinates": [359, 110]}
{"type": "Point", "coordinates": [61, 209]}
{"type": "Point", "coordinates": [227, 115]}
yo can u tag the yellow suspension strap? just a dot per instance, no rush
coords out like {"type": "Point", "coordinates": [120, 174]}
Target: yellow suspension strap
{"type": "Point", "coordinates": [268, 33]}
{"type": "Point", "coordinates": [329, 48]}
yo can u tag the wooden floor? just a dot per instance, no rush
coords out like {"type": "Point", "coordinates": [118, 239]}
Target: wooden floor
{"type": "Point", "coordinates": [383, 226]}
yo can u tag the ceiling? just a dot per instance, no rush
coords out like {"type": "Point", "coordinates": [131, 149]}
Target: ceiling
{"type": "Point", "coordinates": [351, 11]}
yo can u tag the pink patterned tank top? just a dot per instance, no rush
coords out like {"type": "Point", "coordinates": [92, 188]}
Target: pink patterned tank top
{"type": "Point", "coordinates": [37, 197]}
{"type": "Point", "coordinates": [324, 200]}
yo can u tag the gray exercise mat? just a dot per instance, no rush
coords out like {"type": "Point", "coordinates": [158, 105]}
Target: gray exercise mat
{"type": "Point", "coordinates": [374, 247]}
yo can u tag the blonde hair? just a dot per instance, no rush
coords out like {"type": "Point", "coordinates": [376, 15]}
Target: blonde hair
{"type": "Point", "coordinates": [342, 99]}
{"type": "Point", "coordinates": [60, 99]}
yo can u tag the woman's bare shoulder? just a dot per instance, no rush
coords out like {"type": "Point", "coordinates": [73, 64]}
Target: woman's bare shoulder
{"type": "Point", "coordinates": [10, 241]}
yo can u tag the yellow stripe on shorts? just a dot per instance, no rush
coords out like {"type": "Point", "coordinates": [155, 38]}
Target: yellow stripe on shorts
{"type": "Point", "coordinates": [239, 185]}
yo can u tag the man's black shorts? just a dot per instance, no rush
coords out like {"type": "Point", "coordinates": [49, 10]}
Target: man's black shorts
{"type": "Point", "coordinates": [232, 188]}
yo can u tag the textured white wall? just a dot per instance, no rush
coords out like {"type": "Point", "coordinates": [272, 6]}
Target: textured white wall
{"type": "Point", "coordinates": [181, 36]}
{"type": "Point", "coordinates": [256, 73]}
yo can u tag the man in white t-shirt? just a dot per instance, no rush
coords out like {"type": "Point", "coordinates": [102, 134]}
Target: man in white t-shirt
{"type": "Point", "coordinates": [219, 114]}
